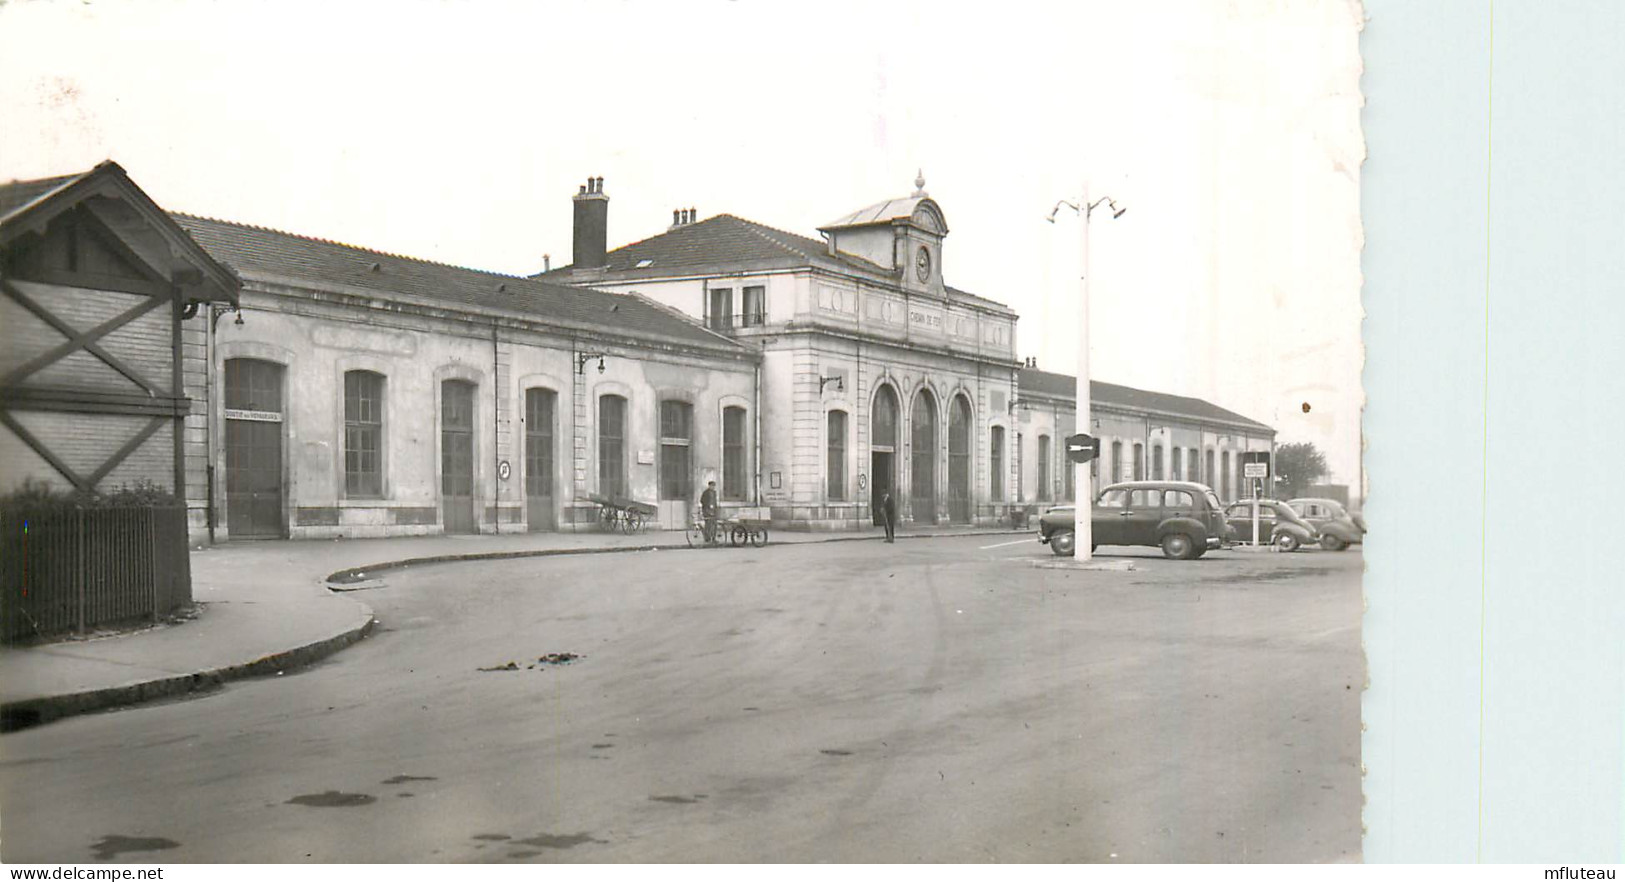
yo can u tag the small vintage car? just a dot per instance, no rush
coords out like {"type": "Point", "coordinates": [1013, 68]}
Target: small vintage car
{"type": "Point", "coordinates": [1183, 518]}
{"type": "Point", "coordinates": [1338, 529]}
{"type": "Point", "coordinates": [1278, 524]}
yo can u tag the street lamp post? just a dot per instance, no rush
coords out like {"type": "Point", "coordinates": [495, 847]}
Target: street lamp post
{"type": "Point", "coordinates": [1082, 510]}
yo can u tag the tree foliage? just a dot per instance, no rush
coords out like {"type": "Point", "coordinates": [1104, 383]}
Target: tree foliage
{"type": "Point", "coordinates": [1299, 466]}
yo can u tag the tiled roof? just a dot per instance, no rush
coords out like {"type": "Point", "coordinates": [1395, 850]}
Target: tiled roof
{"type": "Point", "coordinates": [726, 243]}
{"type": "Point", "coordinates": [1065, 385]}
{"type": "Point", "coordinates": [256, 250]}
{"type": "Point", "coordinates": [16, 194]}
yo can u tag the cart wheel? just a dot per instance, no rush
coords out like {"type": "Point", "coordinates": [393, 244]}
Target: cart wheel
{"type": "Point", "coordinates": [607, 519]}
{"type": "Point", "coordinates": [695, 535]}
{"type": "Point", "coordinates": [738, 536]}
{"type": "Point", "coordinates": [634, 522]}
{"type": "Point", "coordinates": [758, 537]}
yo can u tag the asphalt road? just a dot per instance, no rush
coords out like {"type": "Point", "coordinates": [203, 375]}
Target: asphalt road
{"type": "Point", "coordinates": [935, 700]}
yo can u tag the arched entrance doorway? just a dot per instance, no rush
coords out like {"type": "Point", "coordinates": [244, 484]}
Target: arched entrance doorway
{"type": "Point", "coordinates": [254, 449]}
{"type": "Point", "coordinates": [923, 474]}
{"type": "Point", "coordinates": [457, 456]}
{"type": "Point", "coordinates": [882, 448]}
{"type": "Point", "coordinates": [959, 425]}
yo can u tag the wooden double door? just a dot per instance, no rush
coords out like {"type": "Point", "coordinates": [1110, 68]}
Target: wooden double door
{"type": "Point", "coordinates": [254, 485]}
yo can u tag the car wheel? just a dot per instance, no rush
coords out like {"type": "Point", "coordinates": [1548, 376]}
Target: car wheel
{"type": "Point", "coordinates": [1178, 546]}
{"type": "Point", "coordinates": [1332, 543]}
{"type": "Point", "coordinates": [1061, 543]}
{"type": "Point", "coordinates": [1286, 542]}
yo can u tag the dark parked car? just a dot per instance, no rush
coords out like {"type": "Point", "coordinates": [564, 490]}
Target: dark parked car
{"type": "Point", "coordinates": [1184, 519]}
{"type": "Point", "coordinates": [1338, 529]}
{"type": "Point", "coordinates": [1278, 524]}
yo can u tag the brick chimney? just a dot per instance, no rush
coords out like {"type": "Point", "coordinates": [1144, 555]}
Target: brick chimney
{"type": "Point", "coordinates": [591, 225]}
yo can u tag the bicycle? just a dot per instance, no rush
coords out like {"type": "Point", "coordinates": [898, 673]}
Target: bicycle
{"type": "Point", "coordinates": [695, 534]}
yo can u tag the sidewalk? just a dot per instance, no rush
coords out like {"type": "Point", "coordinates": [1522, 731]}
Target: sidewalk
{"type": "Point", "coordinates": [267, 607]}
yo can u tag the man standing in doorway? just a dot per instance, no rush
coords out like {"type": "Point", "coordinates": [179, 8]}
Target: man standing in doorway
{"type": "Point", "coordinates": [888, 515]}
{"type": "Point", "coordinates": [709, 511]}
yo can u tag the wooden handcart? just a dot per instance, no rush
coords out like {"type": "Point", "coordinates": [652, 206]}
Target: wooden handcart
{"type": "Point", "coordinates": [623, 514]}
{"type": "Point", "coordinates": [735, 531]}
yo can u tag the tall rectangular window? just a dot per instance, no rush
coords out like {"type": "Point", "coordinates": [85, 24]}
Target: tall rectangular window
{"type": "Point", "coordinates": [1190, 464]}
{"type": "Point", "coordinates": [539, 405]}
{"type": "Point", "coordinates": [995, 458]}
{"type": "Point", "coordinates": [1070, 471]}
{"type": "Point", "coordinates": [1139, 462]}
{"type": "Point", "coordinates": [755, 306]}
{"type": "Point", "coordinates": [1176, 464]}
{"type": "Point", "coordinates": [676, 449]}
{"type": "Point", "coordinates": [612, 445]}
{"type": "Point", "coordinates": [1021, 477]}
{"type": "Point", "coordinates": [835, 452]}
{"type": "Point", "coordinates": [1117, 462]}
{"type": "Point", "coordinates": [733, 453]}
{"type": "Point", "coordinates": [1207, 476]}
{"type": "Point", "coordinates": [1156, 463]}
{"type": "Point", "coordinates": [1224, 474]}
{"type": "Point", "coordinates": [363, 434]}
{"type": "Point", "coordinates": [721, 317]}
{"type": "Point", "coordinates": [1043, 467]}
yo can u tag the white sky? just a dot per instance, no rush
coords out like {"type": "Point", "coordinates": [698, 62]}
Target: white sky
{"type": "Point", "coordinates": [458, 132]}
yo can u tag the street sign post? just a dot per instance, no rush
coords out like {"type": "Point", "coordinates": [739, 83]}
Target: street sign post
{"type": "Point", "coordinates": [1082, 448]}
{"type": "Point", "coordinates": [1255, 468]}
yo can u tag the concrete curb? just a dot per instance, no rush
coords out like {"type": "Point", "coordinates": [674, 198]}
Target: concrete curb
{"type": "Point", "coordinates": [35, 711]}
{"type": "Point", "coordinates": [363, 573]}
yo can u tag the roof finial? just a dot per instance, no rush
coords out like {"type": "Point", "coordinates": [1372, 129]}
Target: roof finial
{"type": "Point", "coordinates": [919, 183]}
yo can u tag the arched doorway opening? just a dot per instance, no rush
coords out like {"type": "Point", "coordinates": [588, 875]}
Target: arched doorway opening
{"type": "Point", "coordinates": [959, 461]}
{"type": "Point", "coordinates": [882, 448]}
{"type": "Point", "coordinates": [253, 405]}
{"type": "Point", "coordinates": [923, 447]}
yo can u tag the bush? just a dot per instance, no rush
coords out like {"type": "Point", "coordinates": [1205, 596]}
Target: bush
{"type": "Point", "coordinates": [38, 496]}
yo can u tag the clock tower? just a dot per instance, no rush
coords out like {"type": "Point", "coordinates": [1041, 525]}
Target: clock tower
{"type": "Point", "coordinates": [902, 235]}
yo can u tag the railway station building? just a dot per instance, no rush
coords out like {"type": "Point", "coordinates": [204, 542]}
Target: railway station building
{"type": "Point", "coordinates": [318, 389]}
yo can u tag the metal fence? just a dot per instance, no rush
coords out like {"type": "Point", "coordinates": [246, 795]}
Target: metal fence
{"type": "Point", "coordinates": [72, 570]}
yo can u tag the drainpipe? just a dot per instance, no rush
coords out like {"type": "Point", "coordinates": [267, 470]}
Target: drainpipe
{"type": "Point", "coordinates": [208, 418]}
{"type": "Point", "coordinates": [756, 432]}
{"type": "Point", "coordinates": [496, 430]}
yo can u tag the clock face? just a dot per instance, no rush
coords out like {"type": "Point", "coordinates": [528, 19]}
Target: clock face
{"type": "Point", "coordinates": [922, 263]}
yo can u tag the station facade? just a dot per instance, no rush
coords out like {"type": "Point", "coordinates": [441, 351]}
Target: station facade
{"type": "Point", "coordinates": [880, 376]}
{"type": "Point", "coordinates": [318, 389]}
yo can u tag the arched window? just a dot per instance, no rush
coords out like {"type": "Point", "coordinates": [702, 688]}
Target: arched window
{"type": "Point", "coordinates": [1043, 468]}
{"type": "Point", "coordinates": [959, 471]}
{"type": "Point", "coordinates": [676, 450]}
{"type": "Point", "coordinates": [363, 434]}
{"type": "Point", "coordinates": [612, 445]}
{"type": "Point", "coordinates": [995, 458]}
{"type": "Point", "coordinates": [1156, 463]}
{"type": "Point", "coordinates": [1139, 462]}
{"type": "Point", "coordinates": [734, 484]}
{"type": "Point", "coordinates": [835, 456]}
{"type": "Point", "coordinates": [1117, 462]}
{"type": "Point", "coordinates": [885, 419]}
{"type": "Point", "coordinates": [923, 474]}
